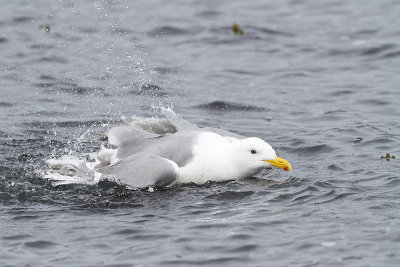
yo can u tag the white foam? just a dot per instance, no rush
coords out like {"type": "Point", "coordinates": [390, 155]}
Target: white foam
{"type": "Point", "coordinates": [105, 156]}
{"type": "Point", "coordinates": [70, 169]}
{"type": "Point", "coordinates": [65, 159]}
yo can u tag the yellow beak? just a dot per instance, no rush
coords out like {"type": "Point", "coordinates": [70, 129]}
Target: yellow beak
{"type": "Point", "coordinates": [281, 163]}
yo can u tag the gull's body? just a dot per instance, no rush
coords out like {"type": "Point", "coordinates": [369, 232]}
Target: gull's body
{"type": "Point", "coordinates": [164, 152]}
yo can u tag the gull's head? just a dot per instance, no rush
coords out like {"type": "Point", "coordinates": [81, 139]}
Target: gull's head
{"type": "Point", "coordinates": [256, 154]}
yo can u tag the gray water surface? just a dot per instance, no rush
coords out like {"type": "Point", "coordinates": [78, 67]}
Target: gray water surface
{"type": "Point", "coordinates": [319, 80]}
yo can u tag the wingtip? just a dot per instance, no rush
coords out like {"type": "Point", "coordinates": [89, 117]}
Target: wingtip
{"type": "Point", "coordinates": [175, 119]}
{"type": "Point", "coordinates": [166, 109]}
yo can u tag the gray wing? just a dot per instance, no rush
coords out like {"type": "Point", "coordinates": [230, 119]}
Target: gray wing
{"type": "Point", "coordinates": [170, 124]}
{"type": "Point", "coordinates": [143, 170]}
{"type": "Point", "coordinates": [171, 138]}
{"type": "Point", "coordinates": [176, 120]}
{"type": "Point", "coordinates": [127, 134]}
{"type": "Point", "coordinates": [129, 140]}
{"type": "Point", "coordinates": [151, 125]}
{"type": "Point", "coordinates": [182, 124]}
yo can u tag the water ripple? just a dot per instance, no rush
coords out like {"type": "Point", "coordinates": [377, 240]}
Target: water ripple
{"type": "Point", "coordinates": [168, 31]}
{"type": "Point", "coordinates": [6, 104]}
{"type": "Point", "coordinates": [230, 195]}
{"type": "Point", "coordinates": [227, 106]}
{"type": "Point", "coordinates": [40, 244]}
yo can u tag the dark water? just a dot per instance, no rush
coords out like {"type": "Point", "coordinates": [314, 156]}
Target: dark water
{"type": "Point", "coordinates": [319, 80]}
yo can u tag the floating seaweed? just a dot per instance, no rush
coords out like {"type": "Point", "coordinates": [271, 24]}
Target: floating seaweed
{"type": "Point", "coordinates": [236, 29]}
{"type": "Point", "coordinates": [46, 27]}
{"type": "Point", "coordinates": [388, 157]}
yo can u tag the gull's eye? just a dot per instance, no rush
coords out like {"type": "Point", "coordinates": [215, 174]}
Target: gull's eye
{"type": "Point", "coordinates": [253, 151]}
